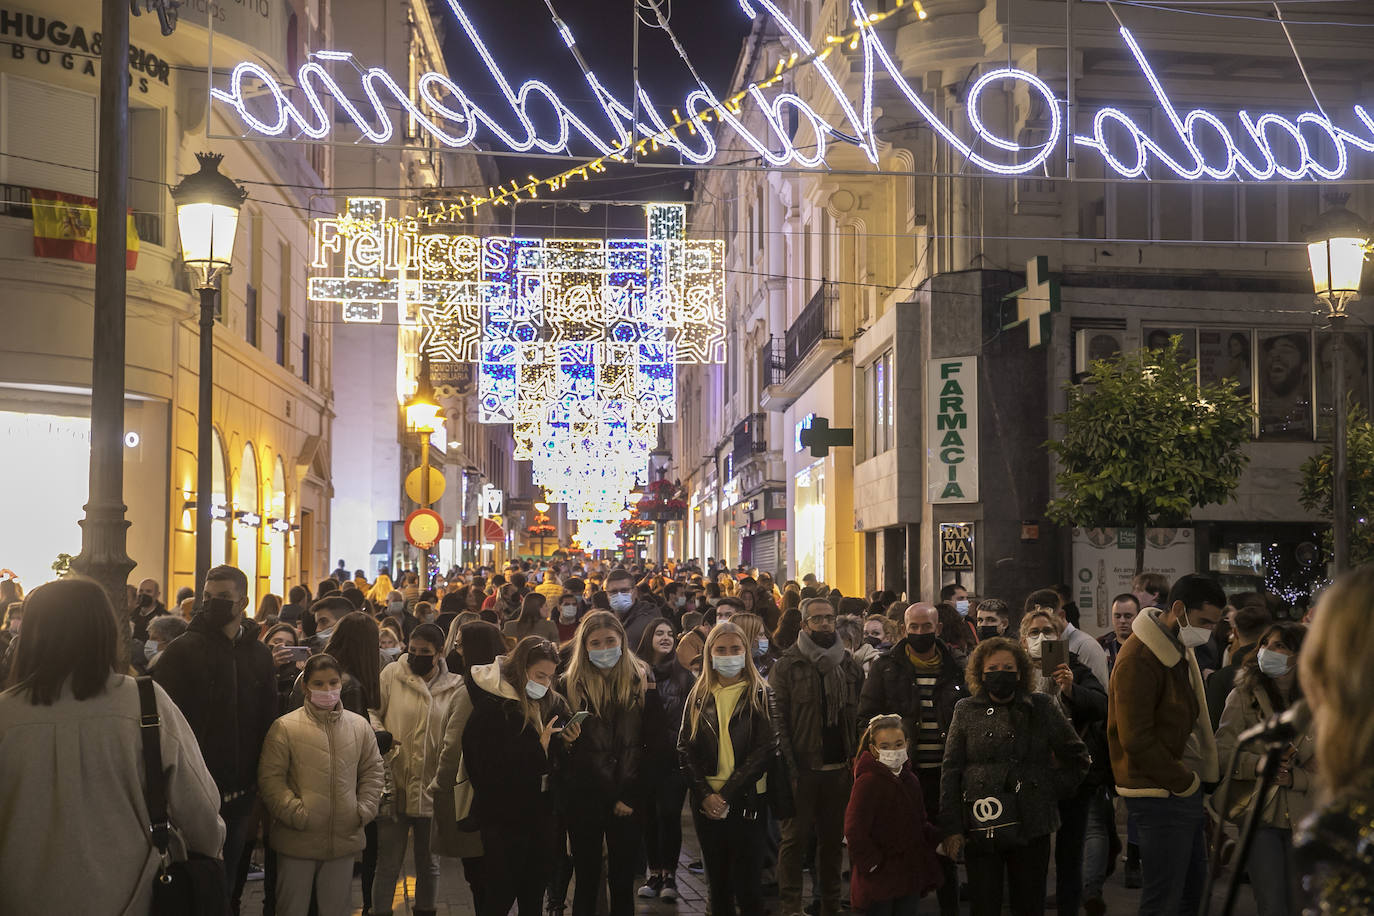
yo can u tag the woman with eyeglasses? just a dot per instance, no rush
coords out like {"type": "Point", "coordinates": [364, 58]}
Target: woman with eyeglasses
{"type": "Point", "coordinates": [601, 781]}
{"type": "Point", "coordinates": [1083, 700]}
{"type": "Point", "coordinates": [727, 745]}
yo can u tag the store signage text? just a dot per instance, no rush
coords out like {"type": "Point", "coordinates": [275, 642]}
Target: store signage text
{"type": "Point", "coordinates": [74, 47]}
{"type": "Point", "coordinates": [956, 546]}
{"type": "Point", "coordinates": [1308, 146]}
{"type": "Point", "coordinates": [952, 430]}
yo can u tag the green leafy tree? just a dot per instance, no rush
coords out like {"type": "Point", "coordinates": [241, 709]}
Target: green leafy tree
{"type": "Point", "coordinates": [1317, 479]}
{"type": "Point", "coordinates": [1143, 445]}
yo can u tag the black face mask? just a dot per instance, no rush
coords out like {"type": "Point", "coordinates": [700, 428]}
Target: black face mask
{"type": "Point", "coordinates": [219, 612]}
{"type": "Point", "coordinates": [874, 641]}
{"type": "Point", "coordinates": [823, 638]}
{"type": "Point", "coordinates": [1001, 684]}
{"type": "Point", "coordinates": [420, 664]}
{"type": "Point", "coordinates": [921, 642]}
{"type": "Point", "coordinates": [987, 633]}
{"type": "Point", "coordinates": [145, 600]}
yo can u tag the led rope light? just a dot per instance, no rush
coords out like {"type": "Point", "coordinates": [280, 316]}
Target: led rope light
{"type": "Point", "coordinates": [445, 99]}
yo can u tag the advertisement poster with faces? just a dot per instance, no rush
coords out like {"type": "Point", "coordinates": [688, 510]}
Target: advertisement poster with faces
{"type": "Point", "coordinates": [1156, 338]}
{"type": "Point", "coordinates": [1285, 385]}
{"type": "Point", "coordinates": [1356, 387]}
{"type": "Point", "coordinates": [1225, 354]}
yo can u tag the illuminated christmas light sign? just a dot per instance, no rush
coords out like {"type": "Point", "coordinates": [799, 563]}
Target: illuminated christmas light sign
{"type": "Point", "coordinates": [1199, 144]}
{"type": "Point", "coordinates": [576, 341]}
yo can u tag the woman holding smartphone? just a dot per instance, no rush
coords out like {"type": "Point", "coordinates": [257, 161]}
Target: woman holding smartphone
{"type": "Point", "coordinates": [606, 680]}
{"type": "Point", "coordinates": [726, 746]}
{"type": "Point", "coordinates": [508, 750]}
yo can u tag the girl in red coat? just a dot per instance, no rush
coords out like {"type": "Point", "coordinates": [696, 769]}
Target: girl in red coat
{"type": "Point", "coordinates": [891, 843]}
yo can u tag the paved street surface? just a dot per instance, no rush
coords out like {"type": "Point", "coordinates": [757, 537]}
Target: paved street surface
{"type": "Point", "coordinates": [454, 899]}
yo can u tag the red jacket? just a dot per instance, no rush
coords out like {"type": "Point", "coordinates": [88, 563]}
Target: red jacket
{"type": "Point", "coordinates": [891, 842]}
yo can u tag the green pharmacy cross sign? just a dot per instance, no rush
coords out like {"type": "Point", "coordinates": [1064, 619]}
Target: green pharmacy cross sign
{"type": "Point", "coordinates": [1036, 301]}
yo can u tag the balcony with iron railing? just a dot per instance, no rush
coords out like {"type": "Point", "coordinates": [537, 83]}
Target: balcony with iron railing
{"type": "Point", "coordinates": [750, 438]}
{"type": "Point", "coordinates": [819, 321]}
{"type": "Point", "coordinates": [794, 361]}
{"type": "Point", "coordinates": [17, 201]}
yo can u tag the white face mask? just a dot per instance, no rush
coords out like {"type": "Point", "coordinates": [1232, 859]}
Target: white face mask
{"type": "Point", "coordinates": [893, 759]}
{"type": "Point", "coordinates": [568, 612]}
{"type": "Point", "coordinates": [1034, 645]}
{"type": "Point", "coordinates": [1192, 636]}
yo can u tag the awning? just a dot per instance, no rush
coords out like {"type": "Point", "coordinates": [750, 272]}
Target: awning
{"type": "Point", "coordinates": [380, 549]}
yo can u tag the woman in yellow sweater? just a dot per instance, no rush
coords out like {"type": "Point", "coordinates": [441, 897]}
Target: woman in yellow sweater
{"type": "Point", "coordinates": [727, 745]}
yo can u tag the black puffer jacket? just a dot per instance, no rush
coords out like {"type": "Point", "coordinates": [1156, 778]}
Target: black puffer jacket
{"type": "Point", "coordinates": [227, 690]}
{"type": "Point", "coordinates": [604, 762]}
{"type": "Point", "coordinates": [890, 689]}
{"type": "Point", "coordinates": [1026, 746]}
{"type": "Point", "coordinates": [754, 739]}
{"type": "Point", "coordinates": [663, 714]}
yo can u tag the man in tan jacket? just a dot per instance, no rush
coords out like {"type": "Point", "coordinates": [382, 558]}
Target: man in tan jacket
{"type": "Point", "coordinates": [1160, 738]}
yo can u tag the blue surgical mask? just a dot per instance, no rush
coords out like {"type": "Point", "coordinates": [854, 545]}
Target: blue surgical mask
{"type": "Point", "coordinates": [1274, 664]}
{"type": "Point", "coordinates": [604, 658]}
{"type": "Point", "coordinates": [962, 607]}
{"type": "Point", "coordinates": [762, 648]}
{"type": "Point", "coordinates": [535, 690]}
{"type": "Point", "coordinates": [621, 601]}
{"type": "Point", "coordinates": [727, 665]}
{"type": "Point", "coordinates": [393, 652]}
{"type": "Point", "coordinates": [150, 649]}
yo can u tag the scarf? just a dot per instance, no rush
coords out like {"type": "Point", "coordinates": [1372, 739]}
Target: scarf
{"type": "Point", "coordinates": [833, 682]}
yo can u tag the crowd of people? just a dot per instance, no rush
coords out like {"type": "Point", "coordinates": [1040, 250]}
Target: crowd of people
{"type": "Point", "coordinates": [545, 725]}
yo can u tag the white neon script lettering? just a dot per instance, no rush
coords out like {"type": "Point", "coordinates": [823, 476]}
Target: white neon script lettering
{"type": "Point", "coordinates": [442, 104]}
{"type": "Point", "coordinates": [1196, 164]}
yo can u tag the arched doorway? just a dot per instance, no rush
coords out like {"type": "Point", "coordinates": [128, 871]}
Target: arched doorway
{"type": "Point", "coordinates": [219, 504]}
{"type": "Point", "coordinates": [277, 533]}
{"type": "Point", "coordinates": [248, 524]}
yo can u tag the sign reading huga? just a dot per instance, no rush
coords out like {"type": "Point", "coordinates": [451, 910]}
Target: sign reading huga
{"type": "Point", "coordinates": [1192, 145]}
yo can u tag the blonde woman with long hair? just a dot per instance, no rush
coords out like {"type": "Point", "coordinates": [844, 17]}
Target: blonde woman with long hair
{"type": "Point", "coordinates": [601, 781]}
{"type": "Point", "coordinates": [1335, 858]}
{"type": "Point", "coordinates": [727, 745]}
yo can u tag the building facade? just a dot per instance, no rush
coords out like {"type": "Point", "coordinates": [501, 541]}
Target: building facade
{"type": "Point", "coordinates": [272, 376]}
{"type": "Point", "coordinates": [859, 293]}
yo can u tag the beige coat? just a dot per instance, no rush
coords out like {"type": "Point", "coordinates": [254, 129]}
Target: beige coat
{"type": "Point", "coordinates": [447, 839]}
{"type": "Point", "coordinates": [1284, 808]}
{"type": "Point", "coordinates": [414, 711]}
{"type": "Point", "coordinates": [73, 822]}
{"type": "Point", "coordinates": [320, 776]}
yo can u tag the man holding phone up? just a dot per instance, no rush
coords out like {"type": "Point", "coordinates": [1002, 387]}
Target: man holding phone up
{"type": "Point", "coordinates": [222, 679]}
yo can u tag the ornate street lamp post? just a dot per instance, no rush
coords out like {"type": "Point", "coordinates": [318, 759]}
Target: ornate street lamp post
{"type": "Point", "coordinates": [1336, 250]}
{"type": "Point", "coordinates": [422, 417]}
{"type": "Point", "coordinates": [208, 205]}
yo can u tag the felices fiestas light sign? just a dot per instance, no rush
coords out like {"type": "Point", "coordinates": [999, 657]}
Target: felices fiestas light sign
{"type": "Point", "coordinates": [1197, 144]}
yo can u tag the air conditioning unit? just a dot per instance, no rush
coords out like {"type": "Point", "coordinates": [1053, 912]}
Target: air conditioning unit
{"type": "Point", "coordinates": [1096, 343]}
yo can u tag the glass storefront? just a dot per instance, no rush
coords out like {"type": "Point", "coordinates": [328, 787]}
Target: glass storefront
{"type": "Point", "coordinates": [809, 525]}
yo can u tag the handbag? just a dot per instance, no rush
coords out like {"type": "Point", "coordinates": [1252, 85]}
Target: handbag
{"type": "Point", "coordinates": [994, 821]}
{"type": "Point", "coordinates": [196, 886]}
{"type": "Point", "coordinates": [462, 799]}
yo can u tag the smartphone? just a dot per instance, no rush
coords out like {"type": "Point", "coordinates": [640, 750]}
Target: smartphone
{"type": "Point", "coordinates": [1053, 653]}
{"type": "Point", "coordinates": [577, 718]}
{"type": "Point", "coordinates": [299, 653]}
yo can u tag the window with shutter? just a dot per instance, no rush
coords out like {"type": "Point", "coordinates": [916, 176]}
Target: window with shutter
{"type": "Point", "coordinates": [48, 136]}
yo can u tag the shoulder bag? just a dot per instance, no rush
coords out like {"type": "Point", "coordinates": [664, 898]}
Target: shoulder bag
{"type": "Point", "coordinates": [994, 821]}
{"type": "Point", "coordinates": [196, 886]}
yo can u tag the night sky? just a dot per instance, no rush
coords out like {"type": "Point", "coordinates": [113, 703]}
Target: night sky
{"type": "Point", "coordinates": [523, 40]}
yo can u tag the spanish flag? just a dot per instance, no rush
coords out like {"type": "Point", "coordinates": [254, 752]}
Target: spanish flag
{"type": "Point", "coordinates": [64, 227]}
